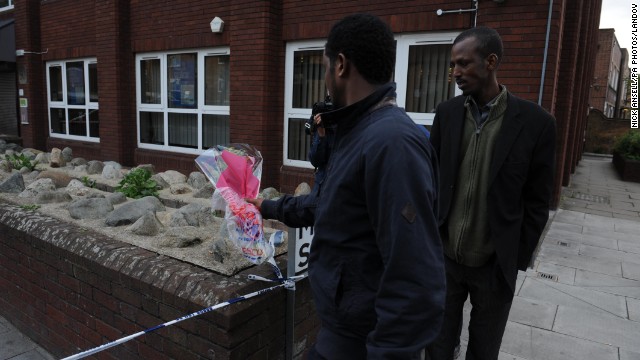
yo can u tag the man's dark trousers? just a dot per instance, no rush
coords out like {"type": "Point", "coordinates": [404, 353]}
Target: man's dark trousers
{"type": "Point", "coordinates": [491, 301]}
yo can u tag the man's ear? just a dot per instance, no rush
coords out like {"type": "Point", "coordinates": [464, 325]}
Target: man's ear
{"type": "Point", "coordinates": [492, 61]}
{"type": "Point", "coordinates": [341, 65]}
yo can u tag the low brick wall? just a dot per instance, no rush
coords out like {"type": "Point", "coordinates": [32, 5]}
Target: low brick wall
{"type": "Point", "coordinates": [629, 170]}
{"type": "Point", "coordinates": [70, 289]}
{"type": "Point", "coordinates": [603, 132]}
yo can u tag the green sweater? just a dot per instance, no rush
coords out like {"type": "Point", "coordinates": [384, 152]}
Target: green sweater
{"type": "Point", "coordinates": [469, 240]}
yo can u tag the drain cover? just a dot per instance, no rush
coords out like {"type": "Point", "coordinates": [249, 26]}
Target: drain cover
{"type": "Point", "coordinates": [547, 276]}
{"type": "Point", "coordinates": [591, 198]}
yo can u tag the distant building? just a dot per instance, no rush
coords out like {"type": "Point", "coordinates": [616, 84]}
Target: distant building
{"type": "Point", "coordinates": [609, 86]}
{"type": "Point", "coordinates": [148, 81]}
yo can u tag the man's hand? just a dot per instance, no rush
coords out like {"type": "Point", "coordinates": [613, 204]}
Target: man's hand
{"type": "Point", "coordinates": [320, 129]}
{"type": "Point", "coordinates": [256, 202]}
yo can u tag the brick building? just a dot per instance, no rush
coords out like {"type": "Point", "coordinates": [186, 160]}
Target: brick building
{"type": "Point", "coordinates": [150, 82]}
{"type": "Point", "coordinates": [608, 87]}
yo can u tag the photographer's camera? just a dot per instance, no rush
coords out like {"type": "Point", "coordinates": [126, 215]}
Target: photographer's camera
{"type": "Point", "coordinates": [319, 107]}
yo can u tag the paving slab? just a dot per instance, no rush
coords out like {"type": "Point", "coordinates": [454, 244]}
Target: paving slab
{"type": "Point", "coordinates": [609, 284]}
{"type": "Point", "coordinates": [569, 217]}
{"type": "Point", "coordinates": [573, 296]}
{"type": "Point", "coordinates": [561, 257]}
{"type": "Point", "coordinates": [598, 327]}
{"type": "Point", "coordinates": [531, 343]}
{"type": "Point", "coordinates": [608, 254]}
{"type": "Point", "coordinates": [633, 305]}
{"type": "Point", "coordinates": [629, 355]}
{"type": "Point", "coordinates": [631, 270]}
{"type": "Point", "coordinates": [536, 313]}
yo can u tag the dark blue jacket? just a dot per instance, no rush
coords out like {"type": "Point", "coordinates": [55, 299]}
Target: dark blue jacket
{"type": "Point", "coordinates": [376, 265]}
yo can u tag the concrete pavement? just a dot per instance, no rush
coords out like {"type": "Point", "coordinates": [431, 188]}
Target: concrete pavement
{"type": "Point", "coordinates": [580, 301]}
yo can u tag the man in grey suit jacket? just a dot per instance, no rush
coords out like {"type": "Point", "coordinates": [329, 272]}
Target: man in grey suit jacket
{"type": "Point", "coordinates": [496, 155]}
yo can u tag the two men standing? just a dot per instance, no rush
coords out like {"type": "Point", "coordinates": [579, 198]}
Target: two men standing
{"type": "Point", "coordinates": [376, 264]}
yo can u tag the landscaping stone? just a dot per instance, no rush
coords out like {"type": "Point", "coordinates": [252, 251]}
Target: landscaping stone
{"type": "Point", "coordinates": [302, 189]}
{"type": "Point", "coordinates": [49, 197]}
{"type": "Point", "coordinates": [95, 167]}
{"type": "Point", "coordinates": [56, 159]}
{"type": "Point", "coordinates": [147, 225]}
{"type": "Point", "coordinates": [67, 154]}
{"type": "Point", "coordinates": [173, 177]}
{"type": "Point", "coordinates": [91, 208]}
{"type": "Point", "coordinates": [197, 180]}
{"type": "Point", "coordinates": [129, 212]}
{"type": "Point", "coordinates": [37, 187]}
{"type": "Point", "coordinates": [13, 184]}
{"type": "Point", "coordinates": [60, 179]}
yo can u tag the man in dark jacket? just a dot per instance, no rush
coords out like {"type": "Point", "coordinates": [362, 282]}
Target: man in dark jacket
{"type": "Point", "coordinates": [376, 264]}
{"type": "Point", "coordinates": [496, 156]}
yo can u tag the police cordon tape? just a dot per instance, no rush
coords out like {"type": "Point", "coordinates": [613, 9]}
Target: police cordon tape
{"type": "Point", "coordinates": [288, 284]}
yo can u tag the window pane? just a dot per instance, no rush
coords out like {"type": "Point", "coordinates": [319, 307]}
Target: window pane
{"type": "Point", "coordinates": [151, 128]}
{"type": "Point", "coordinates": [308, 78]}
{"type": "Point", "coordinates": [150, 81]}
{"type": "Point", "coordinates": [4, 3]}
{"type": "Point", "coordinates": [183, 130]}
{"type": "Point", "coordinates": [77, 122]}
{"type": "Point", "coordinates": [55, 82]}
{"type": "Point", "coordinates": [216, 86]}
{"type": "Point", "coordinates": [93, 82]}
{"type": "Point", "coordinates": [58, 121]}
{"type": "Point", "coordinates": [215, 130]}
{"type": "Point", "coordinates": [181, 81]}
{"type": "Point", "coordinates": [75, 83]}
{"type": "Point", "coordinates": [94, 123]}
{"type": "Point", "coordinates": [428, 81]}
{"type": "Point", "coordinates": [299, 141]}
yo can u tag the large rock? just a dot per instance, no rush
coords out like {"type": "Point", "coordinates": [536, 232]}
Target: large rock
{"type": "Point", "coordinates": [67, 154]}
{"type": "Point", "coordinates": [302, 189]}
{"type": "Point", "coordinates": [117, 198]}
{"type": "Point", "coordinates": [37, 187]}
{"type": "Point", "coordinates": [95, 167]}
{"type": "Point", "coordinates": [180, 189]}
{"type": "Point", "coordinates": [147, 225]}
{"type": "Point", "coordinates": [193, 215]}
{"type": "Point", "coordinates": [52, 197]}
{"type": "Point", "coordinates": [77, 188]}
{"type": "Point", "coordinates": [160, 182]}
{"type": "Point", "coordinates": [13, 184]}
{"type": "Point", "coordinates": [197, 180]}
{"type": "Point", "coordinates": [78, 161]}
{"type": "Point", "coordinates": [56, 159]}
{"type": "Point", "coordinates": [43, 158]}
{"type": "Point", "coordinates": [181, 237]}
{"type": "Point", "coordinates": [60, 179]}
{"type": "Point", "coordinates": [132, 211]}
{"type": "Point", "coordinates": [111, 170]}
{"type": "Point", "coordinates": [270, 193]}
{"type": "Point", "coordinates": [92, 208]}
{"type": "Point", "coordinates": [205, 193]}
{"type": "Point", "coordinates": [173, 177]}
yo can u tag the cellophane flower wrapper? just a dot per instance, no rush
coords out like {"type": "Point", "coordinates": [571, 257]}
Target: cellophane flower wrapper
{"type": "Point", "coordinates": [235, 171]}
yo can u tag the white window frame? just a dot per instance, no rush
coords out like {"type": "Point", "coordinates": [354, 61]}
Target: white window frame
{"type": "Point", "coordinates": [289, 110]}
{"type": "Point", "coordinates": [164, 108]}
{"type": "Point", "coordinates": [403, 42]}
{"type": "Point", "coordinates": [8, 7]}
{"type": "Point", "coordinates": [88, 106]}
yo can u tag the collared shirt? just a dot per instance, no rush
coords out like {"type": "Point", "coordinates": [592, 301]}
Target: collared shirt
{"type": "Point", "coordinates": [481, 113]}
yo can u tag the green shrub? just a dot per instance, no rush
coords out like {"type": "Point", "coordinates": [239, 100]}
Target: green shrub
{"type": "Point", "coordinates": [88, 182]}
{"type": "Point", "coordinates": [18, 161]}
{"type": "Point", "coordinates": [137, 184]}
{"type": "Point", "coordinates": [628, 146]}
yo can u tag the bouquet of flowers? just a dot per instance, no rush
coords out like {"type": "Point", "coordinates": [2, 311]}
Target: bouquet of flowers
{"type": "Point", "coordinates": [235, 172]}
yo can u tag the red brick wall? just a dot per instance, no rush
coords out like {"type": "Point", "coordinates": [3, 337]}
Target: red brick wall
{"type": "Point", "coordinates": [256, 31]}
{"type": "Point", "coordinates": [70, 290]}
